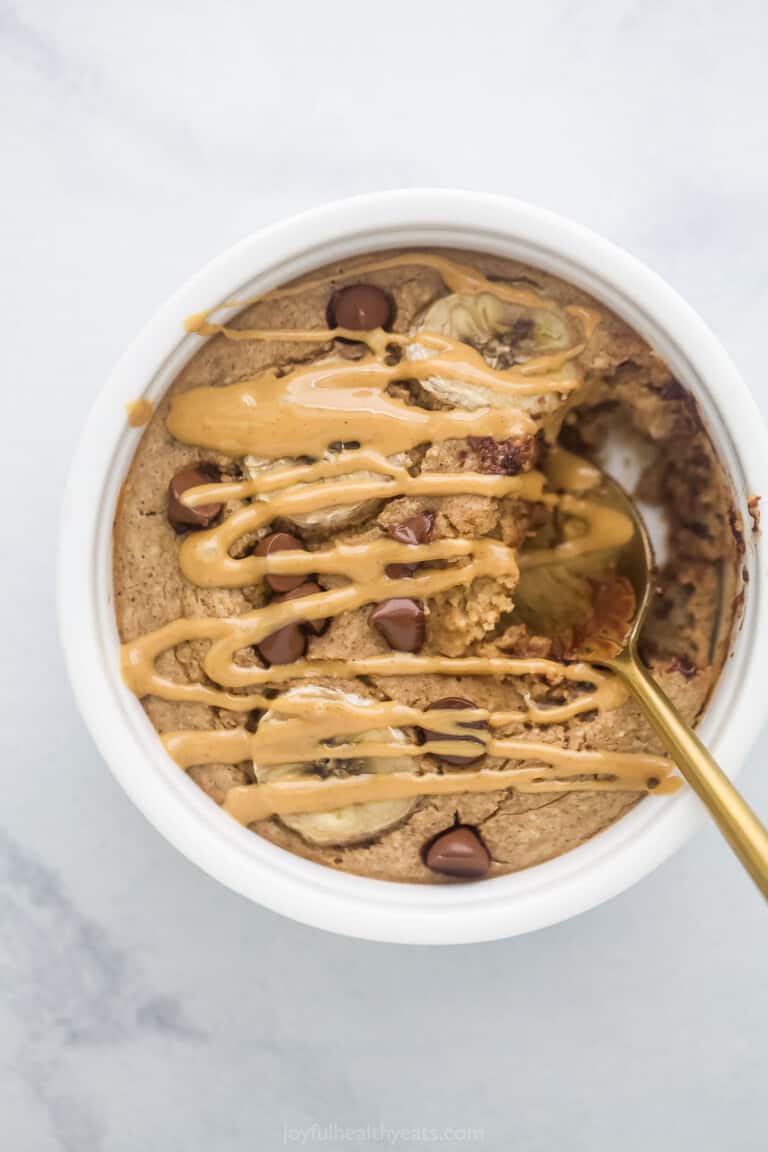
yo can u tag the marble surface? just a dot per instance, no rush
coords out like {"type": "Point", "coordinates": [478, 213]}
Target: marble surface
{"type": "Point", "coordinates": [141, 1005]}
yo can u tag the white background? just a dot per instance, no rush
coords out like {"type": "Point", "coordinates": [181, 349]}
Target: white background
{"type": "Point", "coordinates": [141, 1005]}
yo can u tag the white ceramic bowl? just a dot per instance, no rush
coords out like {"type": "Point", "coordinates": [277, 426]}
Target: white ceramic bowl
{"type": "Point", "coordinates": [375, 909]}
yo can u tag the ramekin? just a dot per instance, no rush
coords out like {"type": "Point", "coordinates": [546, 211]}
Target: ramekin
{"type": "Point", "coordinates": [374, 909]}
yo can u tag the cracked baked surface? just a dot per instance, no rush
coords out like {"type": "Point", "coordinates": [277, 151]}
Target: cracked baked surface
{"type": "Point", "coordinates": [613, 386]}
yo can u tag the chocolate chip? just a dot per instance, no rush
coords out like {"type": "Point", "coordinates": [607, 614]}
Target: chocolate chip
{"type": "Point", "coordinates": [316, 627]}
{"type": "Point", "coordinates": [456, 702]}
{"type": "Point", "coordinates": [252, 720]}
{"type": "Point", "coordinates": [351, 349]}
{"type": "Point", "coordinates": [281, 542]}
{"type": "Point", "coordinates": [504, 457]}
{"type": "Point", "coordinates": [180, 516]}
{"type": "Point", "coordinates": [284, 646]}
{"type": "Point", "coordinates": [361, 308]}
{"type": "Point", "coordinates": [393, 354]}
{"type": "Point", "coordinates": [459, 852]}
{"type": "Point", "coordinates": [401, 622]}
{"type": "Point", "coordinates": [417, 529]}
{"type": "Point", "coordinates": [400, 571]}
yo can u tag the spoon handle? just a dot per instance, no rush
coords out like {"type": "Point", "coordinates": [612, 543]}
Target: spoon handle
{"type": "Point", "coordinates": [736, 820]}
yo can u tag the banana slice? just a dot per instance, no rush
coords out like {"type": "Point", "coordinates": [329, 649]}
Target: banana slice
{"type": "Point", "coordinates": [322, 520]}
{"type": "Point", "coordinates": [504, 334]}
{"type": "Point", "coordinates": [351, 825]}
{"type": "Point", "coordinates": [500, 329]}
{"type": "Point", "coordinates": [355, 822]}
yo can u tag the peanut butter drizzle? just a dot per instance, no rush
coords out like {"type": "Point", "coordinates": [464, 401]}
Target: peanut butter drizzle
{"type": "Point", "coordinates": [265, 416]}
{"type": "Point", "coordinates": [234, 745]}
{"type": "Point", "coordinates": [299, 728]}
{"type": "Point", "coordinates": [315, 404]}
{"type": "Point", "coordinates": [249, 803]}
{"type": "Point", "coordinates": [141, 676]}
{"type": "Point", "coordinates": [139, 412]}
{"type": "Point", "coordinates": [568, 472]}
{"type": "Point", "coordinates": [205, 558]}
{"type": "Point", "coordinates": [605, 529]}
{"type": "Point", "coordinates": [588, 318]}
{"type": "Point", "coordinates": [228, 635]}
{"type": "Point", "coordinates": [456, 276]}
{"type": "Point", "coordinates": [299, 414]}
{"type": "Point", "coordinates": [375, 340]}
{"type": "Point", "coordinates": [529, 485]}
{"type": "Point", "coordinates": [306, 737]}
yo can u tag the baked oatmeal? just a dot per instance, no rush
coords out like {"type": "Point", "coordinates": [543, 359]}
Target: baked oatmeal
{"type": "Point", "coordinates": [362, 537]}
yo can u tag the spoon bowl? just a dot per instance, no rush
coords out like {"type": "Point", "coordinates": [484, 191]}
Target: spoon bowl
{"type": "Point", "coordinates": [636, 562]}
{"type": "Point", "coordinates": [635, 565]}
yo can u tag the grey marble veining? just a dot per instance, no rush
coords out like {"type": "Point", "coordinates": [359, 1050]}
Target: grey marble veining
{"type": "Point", "coordinates": [141, 1005]}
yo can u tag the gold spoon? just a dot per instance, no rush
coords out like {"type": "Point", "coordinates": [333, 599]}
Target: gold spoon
{"type": "Point", "coordinates": [736, 820]}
